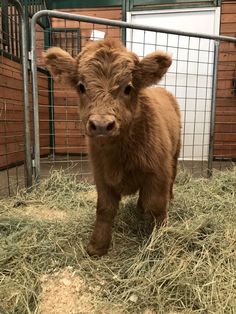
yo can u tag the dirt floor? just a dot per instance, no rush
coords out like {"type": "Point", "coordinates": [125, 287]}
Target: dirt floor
{"type": "Point", "coordinates": [60, 293]}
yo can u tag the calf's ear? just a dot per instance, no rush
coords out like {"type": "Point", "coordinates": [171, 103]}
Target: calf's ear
{"type": "Point", "coordinates": [61, 65]}
{"type": "Point", "coordinates": [152, 68]}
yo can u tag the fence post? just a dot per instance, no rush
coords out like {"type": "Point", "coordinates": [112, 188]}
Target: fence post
{"type": "Point", "coordinates": [213, 109]}
{"type": "Point", "coordinates": [24, 58]}
{"type": "Point", "coordinates": [35, 100]}
{"type": "Point", "coordinates": [124, 12]}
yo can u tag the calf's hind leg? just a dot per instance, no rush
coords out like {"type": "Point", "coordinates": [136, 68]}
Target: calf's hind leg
{"type": "Point", "coordinates": [174, 169]}
{"type": "Point", "coordinates": [175, 164]}
{"type": "Point", "coordinates": [154, 196]}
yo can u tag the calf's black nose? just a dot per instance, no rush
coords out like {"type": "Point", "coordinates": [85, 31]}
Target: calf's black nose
{"type": "Point", "coordinates": [101, 125]}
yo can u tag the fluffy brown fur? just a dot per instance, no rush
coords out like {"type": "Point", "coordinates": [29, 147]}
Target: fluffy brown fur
{"type": "Point", "coordinates": [133, 130]}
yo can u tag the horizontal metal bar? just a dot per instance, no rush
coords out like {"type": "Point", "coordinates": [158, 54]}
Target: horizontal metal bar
{"type": "Point", "coordinates": [62, 30]}
{"type": "Point", "coordinates": [65, 161]}
{"type": "Point", "coordinates": [122, 24]}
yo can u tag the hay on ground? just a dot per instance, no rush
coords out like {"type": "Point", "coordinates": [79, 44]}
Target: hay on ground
{"type": "Point", "coordinates": [187, 267]}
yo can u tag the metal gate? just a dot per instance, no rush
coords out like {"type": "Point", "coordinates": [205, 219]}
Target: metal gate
{"type": "Point", "coordinates": [192, 78]}
{"type": "Point", "coordinates": [15, 154]}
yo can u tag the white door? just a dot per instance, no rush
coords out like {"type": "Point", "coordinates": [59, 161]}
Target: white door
{"type": "Point", "coordinates": [190, 75]}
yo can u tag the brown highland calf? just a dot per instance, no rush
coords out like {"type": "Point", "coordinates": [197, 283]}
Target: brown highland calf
{"type": "Point", "coordinates": [133, 130]}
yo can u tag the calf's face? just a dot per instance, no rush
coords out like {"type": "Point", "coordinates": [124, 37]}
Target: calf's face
{"type": "Point", "coordinates": [108, 79]}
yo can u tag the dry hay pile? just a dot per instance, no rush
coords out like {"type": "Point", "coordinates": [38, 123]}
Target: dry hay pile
{"type": "Point", "coordinates": [187, 267]}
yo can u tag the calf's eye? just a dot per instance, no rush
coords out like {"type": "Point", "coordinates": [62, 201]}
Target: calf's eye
{"type": "Point", "coordinates": [128, 89]}
{"type": "Point", "coordinates": [81, 88]}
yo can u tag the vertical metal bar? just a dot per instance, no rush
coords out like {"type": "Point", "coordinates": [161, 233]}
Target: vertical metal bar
{"type": "Point", "coordinates": [144, 38]}
{"type": "Point", "coordinates": [79, 41]}
{"type": "Point", "coordinates": [93, 31]}
{"type": "Point", "coordinates": [67, 144]}
{"type": "Point", "coordinates": [123, 30]}
{"type": "Point", "coordinates": [66, 41]}
{"type": "Point", "coordinates": [60, 42]}
{"type": "Point", "coordinates": [205, 106]}
{"type": "Point", "coordinates": [177, 63]}
{"type": "Point", "coordinates": [24, 58]}
{"type": "Point", "coordinates": [12, 50]}
{"type": "Point", "coordinates": [131, 39]}
{"type": "Point", "coordinates": [35, 101]}
{"type": "Point", "coordinates": [106, 30]}
{"type": "Point", "coordinates": [185, 109]}
{"type": "Point", "coordinates": [26, 9]}
{"type": "Point", "coordinates": [6, 148]}
{"type": "Point", "coordinates": [72, 44]}
{"type": "Point", "coordinates": [156, 33]}
{"type": "Point", "coordinates": [195, 105]}
{"type": "Point", "coordinates": [167, 45]}
{"type": "Point", "coordinates": [5, 25]}
{"type": "Point", "coordinates": [213, 109]}
{"type": "Point", "coordinates": [16, 30]}
{"type": "Point", "coordinates": [47, 44]}
{"type": "Point", "coordinates": [51, 116]}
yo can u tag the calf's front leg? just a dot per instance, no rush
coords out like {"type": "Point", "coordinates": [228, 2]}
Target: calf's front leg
{"type": "Point", "coordinates": [107, 205]}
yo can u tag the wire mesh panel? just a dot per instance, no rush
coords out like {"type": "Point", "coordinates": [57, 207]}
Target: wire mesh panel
{"type": "Point", "coordinates": [192, 78]}
{"type": "Point", "coordinates": [9, 35]}
{"type": "Point", "coordinates": [12, 155]}
{"type": "Point", "coordinates": [67, 142]}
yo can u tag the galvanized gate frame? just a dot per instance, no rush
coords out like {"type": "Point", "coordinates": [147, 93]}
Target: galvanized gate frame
{"type": "Point", "coordinates": [122, 25]}
{"type": "Point", "coordinates": [24, 61]}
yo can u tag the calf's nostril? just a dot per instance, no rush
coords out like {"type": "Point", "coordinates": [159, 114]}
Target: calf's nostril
{"type": "Point", "coordinates": [101, 126]}
{"type": "Point", "coordinates": [92, 126]}
{"type": "Point", "coordinates": [110, 126]}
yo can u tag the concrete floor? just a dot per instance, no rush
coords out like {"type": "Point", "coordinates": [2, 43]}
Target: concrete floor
{"type": "Point", "coordinates": [13, 179]}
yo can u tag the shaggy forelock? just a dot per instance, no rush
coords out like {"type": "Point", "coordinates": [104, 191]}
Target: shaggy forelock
{"type": "Point", "coordinates": [107, 63]}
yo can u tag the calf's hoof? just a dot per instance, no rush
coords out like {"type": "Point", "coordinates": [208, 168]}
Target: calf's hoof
{"type": "Point", "coordinates": [161, 220]}
{"type": "Point", "coordinates": [92, 250]}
